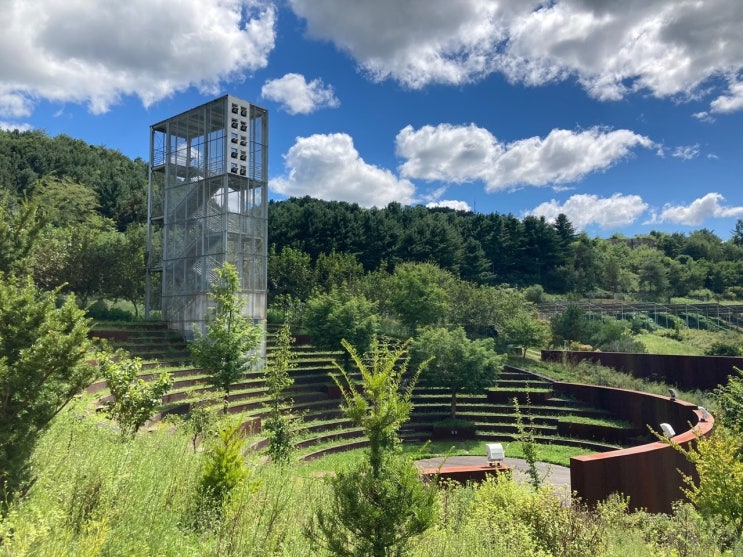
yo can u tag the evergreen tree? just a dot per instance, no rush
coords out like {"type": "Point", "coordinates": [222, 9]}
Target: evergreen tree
{"type": "Point", "coordinates": [278, 423]}
{"type": "Point", "coordinates": [380, 504]}
{"type": "Point", "coordinates": [43, 350]}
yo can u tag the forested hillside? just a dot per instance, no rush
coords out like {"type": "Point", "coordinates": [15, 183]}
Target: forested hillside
{"type": "Point", "coordinates": [501, 249]}
{"type": "Point", "coordinates": [93, 201]}
{"type": "Point", "coordinates": [119, 184]}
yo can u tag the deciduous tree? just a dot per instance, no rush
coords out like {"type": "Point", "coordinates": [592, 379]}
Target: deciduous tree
{"type": "Point", "coordinates": [457, 363]}
{"type": "Point", "coordinates": [133, 400]}
{"type": "Point", "coordinates": [228, 348]}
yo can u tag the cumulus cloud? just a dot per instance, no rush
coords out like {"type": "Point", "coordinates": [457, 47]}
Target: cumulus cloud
{"type": "Point", "coordinates": [461, 154]}
{"type": "Point", "coordinates": [730, 102]}
{"type": "Point", "coordinates": [701, 209]}
{"type": "Point", "coordinates": [96, 52]}
{"type": "Point", "coordinates": [297, 96]}
{"type": "Point", "coordinates": [329, 167]}
{"type": "Point", "coordinates": [584, 209]}
{"type": "Point", "coordinates": [612, 49]}
{"type": "Point", "coordinates": [450, 204]}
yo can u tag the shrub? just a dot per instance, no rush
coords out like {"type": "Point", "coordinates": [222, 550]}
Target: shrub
{"type": "Point", "coordinates": [278, 424]}
{"type": "Point", "coordinates": [625, 343]}
{"type": "Point", "coordinates": [224, 469]}
{"type": "Point", "coordinates": [43, 350]}
{"type": "Point", "coordinates": [723, 349]}
{"type": "Point", "coordinates": [133, 400]}
{"type": "Point", "coordinates": [534, 294]}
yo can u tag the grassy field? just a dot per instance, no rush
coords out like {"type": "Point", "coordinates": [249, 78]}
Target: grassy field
{"type": "Point", "coordinates": [98, 495]}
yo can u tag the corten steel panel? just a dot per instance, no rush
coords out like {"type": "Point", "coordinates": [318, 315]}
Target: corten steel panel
{"type": "Point", "coordinates": [650, 474]}
{"type": "Point", "coordinates": [686, 372]}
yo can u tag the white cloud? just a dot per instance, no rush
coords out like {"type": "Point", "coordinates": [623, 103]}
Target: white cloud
{"type": "Point", "coordinates": [468, 153]}
{"type": "Point", "coordinates": [701, 209]}
{"type": "Point", "coordinates": [329, 167]}
{"type": "Point", "coordinates": [297, 96]}
{"type": "Point", "coordinates": [95, 52]}
{"type": "Point", "coordinates": [686, 152]}
{"type": "Point", "coordinates": [666, 47]}
{"type": "Point", "coordinates": [450, 204]}
{"type": "Point", "coordinates": [731, 102]}
{"type": "Point", "coordinates": [10, 126]}
{"type": "Point", "coordinates": [583, 209]}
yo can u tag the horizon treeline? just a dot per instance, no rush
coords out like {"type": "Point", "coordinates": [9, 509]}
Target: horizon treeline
{"type": "Point", "coordinates": [75, 182]}
{"type": "Point", "coordinates": [495, 249]}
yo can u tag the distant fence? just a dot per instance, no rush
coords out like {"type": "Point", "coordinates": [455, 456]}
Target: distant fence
{"type": "Point", "coordinates": [700, 315]}
{"type": "Point", "coordinates": [650, 474]}
{"type": "Point", "coordinates": [686, 372]}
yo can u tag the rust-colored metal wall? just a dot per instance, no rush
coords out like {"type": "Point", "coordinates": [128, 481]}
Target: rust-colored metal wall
{"type": "Point", "coordinates": [650, 474]}
{"type": "Point", "coordinates": [686, 372]}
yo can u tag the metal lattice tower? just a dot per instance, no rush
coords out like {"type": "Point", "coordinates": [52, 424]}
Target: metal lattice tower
{"type": "Point", "coordinates": [207, 205]}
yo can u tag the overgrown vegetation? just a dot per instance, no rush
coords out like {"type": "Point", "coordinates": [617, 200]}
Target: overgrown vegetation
{"type": "Point", "coordinates": [43, 351]}
{"type": "Point", "coordinates": [97, 496]}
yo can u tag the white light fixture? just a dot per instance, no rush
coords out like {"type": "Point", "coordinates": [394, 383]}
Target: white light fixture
{"type": "Point", "coordinates": [705, 414]}
{"type": "Point", "coordinates": [667, 430]}
{"type": "Point", "coordinates": [496, 454]}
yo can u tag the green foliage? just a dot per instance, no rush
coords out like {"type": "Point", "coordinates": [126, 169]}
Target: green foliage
{"type": "Point", "coordinates": [224, 467]}
{"type": "Point", "coordinates": [117, 183]}
{"type": "Point", "coordinates": [339, 314]}
{"type": "Point", "coordinates": [570, 325]}
{"type": "Point", "coordinates": [374, 515]}
{"type": "Point", "coordinates": [336, 269]}
{"type": "Point", "coordinates": [43, 349]}
{"type": "Point", "coordinates": [626, 343]}
{"type": "Point", "coordinates": [723, 349]}
{"type": "Point", "coordinates": [458, 363]}
{"type": "Point", "coordinates": [718, 460]}
{"type": "Point", "coordinates": [534, 294]}
{"type": "Point", "coordinates": [133, 400]}
{"type": "Point", "coordinates": [520, 324]}
{"type": "Point", "coordinates": [729, 400]}
{"type": "Point", "coordinates": [278, 423]}
{"type": "Point", "coordinates": [228, 349]}
{"type": "Point", "coordinates": [202, 420]}
{"type": "Point", "coordinates": [94, 495]}
{"type": "Point", "coordinates": [20, 228]}
{"type": "Point", "coordinates": [378, 505]}
{"type": "Point", "coordinates": [418, 294]}
{"type": "Point", "coordinates": [289, 273]}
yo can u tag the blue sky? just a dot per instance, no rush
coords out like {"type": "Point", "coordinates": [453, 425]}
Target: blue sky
{"type": "Point", "coordinates": [626, 116]}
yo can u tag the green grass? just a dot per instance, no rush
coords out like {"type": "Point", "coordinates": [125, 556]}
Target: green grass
{"type": "Point", "coordinates": [657, 344]}
{"type": "Point", "coordinates": [97, 495]}
{"type": "Point", "coordinates": [553, 454]}
{"type": "Point", "coordinates": [605, 422]}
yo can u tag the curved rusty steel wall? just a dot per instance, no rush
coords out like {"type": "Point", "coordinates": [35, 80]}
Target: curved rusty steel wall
{"type": "Point", "coordinates": [650, 474]}
{"type": "Point", "coordinates": [686, 372]}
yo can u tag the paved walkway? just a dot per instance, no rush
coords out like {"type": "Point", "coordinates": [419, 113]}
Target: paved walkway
{"type": "Point", "coordinates": [558, 476]}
